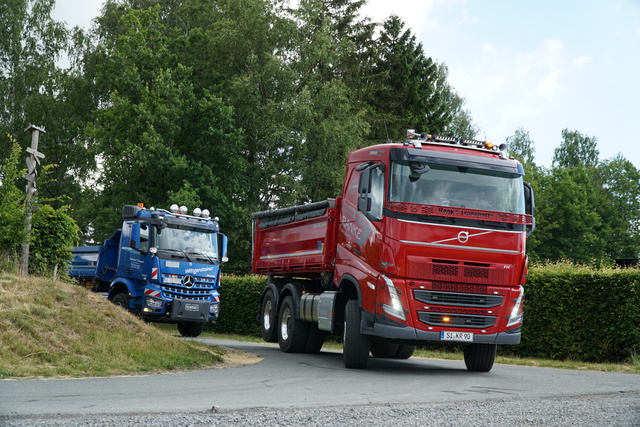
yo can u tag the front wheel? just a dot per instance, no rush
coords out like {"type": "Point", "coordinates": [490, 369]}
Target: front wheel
{"type": "Point", "coordinates": [355, 346]}
{"type": "Point", "coordinates": [190, 329]}
{"type": "Point", "coordinates": [292, 332]}
{"type": "Point", "coordinates": [269, 317]}
{"type": "Point", "coordinates": [479, 357]}
{"type": "Point", "coordinates": [121, 300]}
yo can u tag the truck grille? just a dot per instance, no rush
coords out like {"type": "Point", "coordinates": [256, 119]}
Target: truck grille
{"type": "Point", "coordinates": [201, 290]}
{"type": "Point", "coordinates": [456, 320]}
{"type": "Point", "coordinates": [453, 271]}
{"type": "Point", "coordinates": [457, 299]}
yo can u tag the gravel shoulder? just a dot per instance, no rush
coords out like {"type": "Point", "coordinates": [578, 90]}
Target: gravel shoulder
{"type": "Point", "coordinates": [620, 409]}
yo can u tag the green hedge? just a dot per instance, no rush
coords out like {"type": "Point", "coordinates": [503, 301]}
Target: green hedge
{"type": "Point", "coordinates": [570, 313]}
{"type": "Point", "coordinates": [239, 305]}
{"type": "Point", "coordinates": [582, 314]}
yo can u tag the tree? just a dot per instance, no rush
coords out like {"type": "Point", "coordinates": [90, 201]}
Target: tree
{"type": "Point", "coordinates": [11, 204]}
{"type": "Point", "coordinates": [576, 150]}
{"type": "Point", "coordinates": [412, 91]}
{"type": "Point", "coordinates": [568, 227]}
{"type": "Point", "coordinates": [619, 184]}
{"type": "Point", "coordinates": [30, 43]}
{"type": "Point", "coordinates": [157, 135]}
{"type": "Point", "coordinates": [521, 147]}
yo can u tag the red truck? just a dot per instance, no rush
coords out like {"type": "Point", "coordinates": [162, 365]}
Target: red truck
{"type": "Point", "coordinates": [426, 245]}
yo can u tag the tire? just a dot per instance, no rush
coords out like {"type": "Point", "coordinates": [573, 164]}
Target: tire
{"type": "Point", "coordinates": [121, 300]}
{"type": "Point", "coordinates": [383, 350]}
{"type": "Point", "coordinates": [479, 357]}
{"type": "Point", "coordinates": [292, 332]}
{"type": "Point", "coordinates": [269, 318]}
{"type": "Point", "coordinates": [355, 346]}
{"type": "Point", "coordinates": [315, 339]}
{"type": "Point", "coordinates": [404, 351]}
{"type": "Point", "coordinates": [190, 329]}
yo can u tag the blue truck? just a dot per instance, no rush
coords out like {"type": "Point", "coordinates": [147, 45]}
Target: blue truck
{"type": "Point", "coordinates": [162, 265]}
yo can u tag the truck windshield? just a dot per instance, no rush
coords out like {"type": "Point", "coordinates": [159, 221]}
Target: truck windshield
{"type": "Point", "coordinates": [458, 186]}
{"type": "Point", "coordinates": [187, 240]}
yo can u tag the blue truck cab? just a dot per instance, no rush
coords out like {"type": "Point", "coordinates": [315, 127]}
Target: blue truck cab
{"type": "Point", "coordinates": [163, 265]}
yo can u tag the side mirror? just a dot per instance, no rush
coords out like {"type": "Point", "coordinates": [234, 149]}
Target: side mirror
{"type": "Point", "coordinates": [225, 255]}
{"type": "Point", "coordinates": [529, 207]}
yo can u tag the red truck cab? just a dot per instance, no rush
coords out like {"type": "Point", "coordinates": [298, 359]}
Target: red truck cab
{"type": "Point", "coordinates": [426, 245]}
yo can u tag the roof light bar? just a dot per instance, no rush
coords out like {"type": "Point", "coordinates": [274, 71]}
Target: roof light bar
{"type": "Point", "coordinates": [485, 145]}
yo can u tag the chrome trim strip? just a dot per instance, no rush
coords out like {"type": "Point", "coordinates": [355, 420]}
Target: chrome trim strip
{"type": "Point", "coordinates": [473, 248]}
{"type": "Point", "coordinates": [291, 254]}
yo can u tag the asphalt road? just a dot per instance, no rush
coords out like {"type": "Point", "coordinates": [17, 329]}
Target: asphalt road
{"type": "Point", "coordinates": [302, 381]}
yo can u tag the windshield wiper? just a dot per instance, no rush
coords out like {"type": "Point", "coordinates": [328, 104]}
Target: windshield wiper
{"type": "Point", "coordinates": [184, 254]}
{"type": "Point", "coordinates": [211, 260]}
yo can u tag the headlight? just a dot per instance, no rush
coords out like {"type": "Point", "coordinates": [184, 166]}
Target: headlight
{"type": "Point", "coordinates": [518, 310]}
{"type": "Point", "coordinates": [395, 309]}
{"type": "Point", "coordinates": [214, 308]}
{"type": "Point", "coordinates": [154, 303]}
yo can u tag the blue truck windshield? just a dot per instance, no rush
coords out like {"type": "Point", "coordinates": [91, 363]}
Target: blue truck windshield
{"type": "Point", "coordinates": [447, 185]}
{"type": "Point", "coordinates": [188, 241]}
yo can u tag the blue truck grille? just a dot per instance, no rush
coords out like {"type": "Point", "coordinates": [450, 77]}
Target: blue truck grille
{"type": "Point", "coordinates": [200, 291]}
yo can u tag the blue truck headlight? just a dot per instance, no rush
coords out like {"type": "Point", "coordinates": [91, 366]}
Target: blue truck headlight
{"type": "Point", "coordinates": [153, 303]}
{"type": "Point", "coordinates": [214, 308]}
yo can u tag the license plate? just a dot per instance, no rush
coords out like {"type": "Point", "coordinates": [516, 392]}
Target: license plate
{"type": "Point", "coordinates": [456, 336]}
{"type": "Point", "coordinates": [192, 307]}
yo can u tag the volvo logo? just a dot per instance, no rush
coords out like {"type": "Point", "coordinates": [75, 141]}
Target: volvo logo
{"type": "Point", "coordinates": [189, 281]}
{"type": "Point", "coordinates": [463, 236]}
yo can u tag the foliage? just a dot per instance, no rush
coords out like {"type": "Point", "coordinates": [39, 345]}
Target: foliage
{"type": "Point", "coordinates": [54, 233]}
{"type": "Point", "coordinates": [580, 313]}
{"type": "Point", "coordinates": [11, 204]}
{"type": "Point", "coordinates": [587, 210]}
{"type": "Point", "coordinates": [239, 305]}
{"type": "Point", "coordinates": [412, 91]}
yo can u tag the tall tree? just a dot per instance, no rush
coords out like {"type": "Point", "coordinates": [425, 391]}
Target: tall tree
{"type": "Point", "coordinates": [412, 90]}
{"type": "Point", "coordinates": [30, 43]}
{"type": "Point", "coordinates": [156, 134]}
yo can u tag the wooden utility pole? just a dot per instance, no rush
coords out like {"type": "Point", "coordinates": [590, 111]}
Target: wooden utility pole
{"type": "Point", "coordinates": [32, 162]}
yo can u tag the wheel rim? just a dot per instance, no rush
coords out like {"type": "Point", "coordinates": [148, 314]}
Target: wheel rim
{"type": "Point", "coordinates": [266, 315]}
{"type": "Point", "coordinates": [284, 324]}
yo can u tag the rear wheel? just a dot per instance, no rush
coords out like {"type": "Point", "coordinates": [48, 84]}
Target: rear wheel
{"type": "Point", "coordinates": [190, 329]}
{"type": "Point", "coordinates": [404, 351]}
{"type": "Point", "coordinates": [292, 332]}
{"type": "Point", "coordinates": [269, 318]}
{"type": "Point", "coordinates": [383, 350]}
{"type": "Point", "coordinates": [355, 347]}
{"type": "Point", "coordinates": [479, 357]}
{"type": "Point", "coordinates": [315, 339]}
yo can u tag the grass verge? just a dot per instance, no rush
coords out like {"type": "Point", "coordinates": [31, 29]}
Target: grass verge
{"type": "Point", "coordinates": [56, 329]}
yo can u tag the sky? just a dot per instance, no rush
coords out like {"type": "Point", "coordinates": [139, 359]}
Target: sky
{"type": "Point", "coordinates": [543, 65]}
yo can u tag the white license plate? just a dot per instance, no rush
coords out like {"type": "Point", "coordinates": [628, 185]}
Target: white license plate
{"type": "Point", "coordinates": [192, 307]}
{"type": "Point", "coordinates": [456, 336]}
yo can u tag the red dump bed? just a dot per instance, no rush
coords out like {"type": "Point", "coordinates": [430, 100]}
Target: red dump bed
{"type": "Point", "coordinates": [298, 240]}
